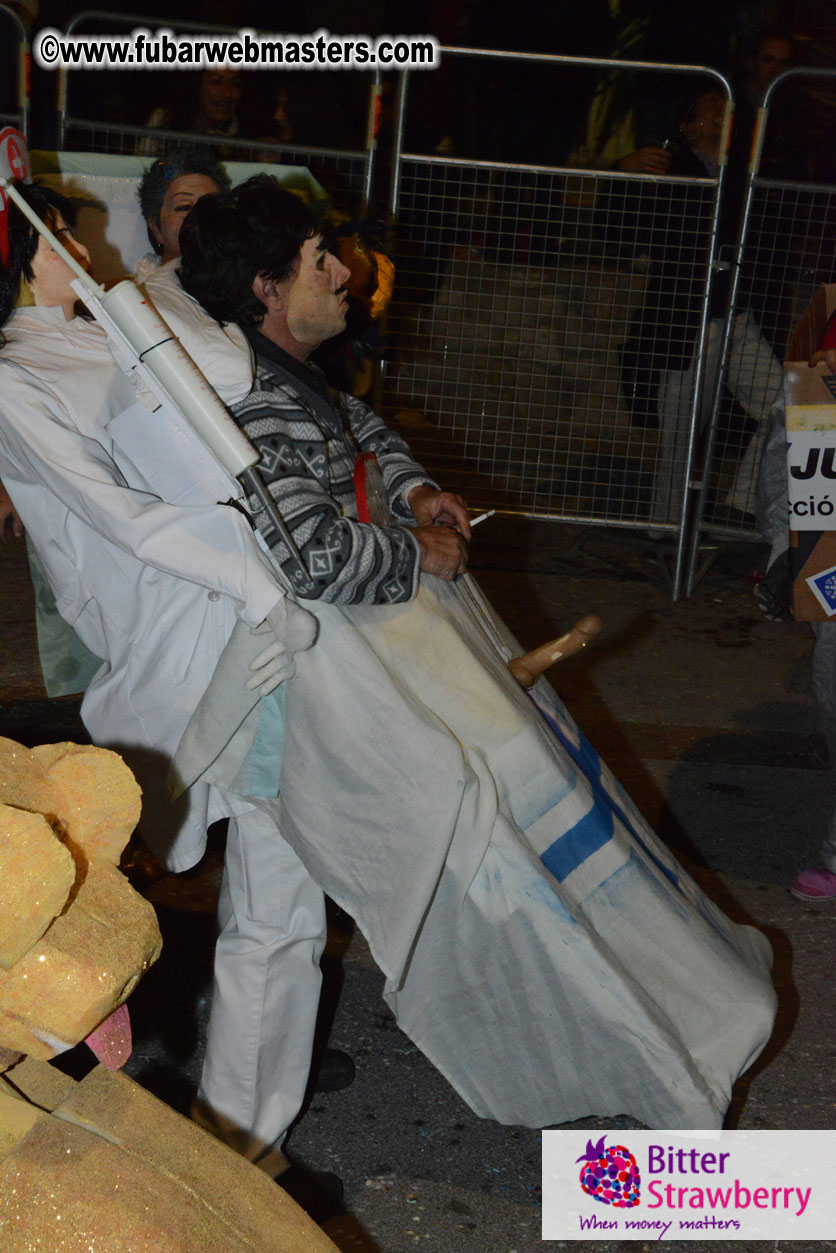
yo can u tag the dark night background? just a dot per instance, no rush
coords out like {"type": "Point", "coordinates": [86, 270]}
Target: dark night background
{"type": "Point", "coordinates": [518, 112]}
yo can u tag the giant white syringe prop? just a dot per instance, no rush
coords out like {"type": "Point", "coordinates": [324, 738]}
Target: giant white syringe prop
{"type": "Point", "coordinates": [168, 370]}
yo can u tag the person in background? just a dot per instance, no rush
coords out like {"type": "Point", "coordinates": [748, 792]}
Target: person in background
{"type": "Point", "coordinates": [167, 191]}
{"type": "Point", "coordinates": [664, 335]}
{"type": "Point", "coordinates": [214, 112]}
{"type": "Point", "coordinates": [272, 121]}
{"type": "Point", "coordinates": [276, 127]}
{"type": "Point", "coordinates": [773, 53]}
{"type": "Point", "coordinates": [787, 150]}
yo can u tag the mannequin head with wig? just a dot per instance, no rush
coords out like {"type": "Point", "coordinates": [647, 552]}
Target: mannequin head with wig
{"type": "Point", "coordinates": [34, 273]}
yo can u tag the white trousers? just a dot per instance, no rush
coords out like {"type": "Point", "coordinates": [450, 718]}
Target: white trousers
{"type": "Point", "coordinates": [754, 378]}
{"type": "Point", "coordinates": [266, 994]}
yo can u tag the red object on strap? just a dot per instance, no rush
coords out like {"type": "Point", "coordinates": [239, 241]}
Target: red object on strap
{"type": "Point", "coordinates": [360, 464]}
{"type": "Point", "coordinates": [14, 163]}
{"type": "Point", "coordinates": [4, 227]}
{"type": "Point", "coordinates": [370, 491]}
{"type": "Point", "coordinates": [829, 338]}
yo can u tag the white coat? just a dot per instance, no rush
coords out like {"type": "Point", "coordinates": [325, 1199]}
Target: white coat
{"type": "Point", "coordinates": [222, 353]}
{"type": "Point", "coordinates": [154, 587]}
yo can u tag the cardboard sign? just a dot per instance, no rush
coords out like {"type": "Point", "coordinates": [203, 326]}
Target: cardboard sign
{"type": "Point", "coordinates": [810, 393]}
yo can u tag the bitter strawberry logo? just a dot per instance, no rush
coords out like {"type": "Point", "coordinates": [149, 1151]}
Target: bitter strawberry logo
{"type": "Point", "coordinates": [610, 1175]}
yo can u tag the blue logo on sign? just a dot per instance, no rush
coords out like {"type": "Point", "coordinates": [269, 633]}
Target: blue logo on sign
{"type": "Point", "coordinates": [825, 585]}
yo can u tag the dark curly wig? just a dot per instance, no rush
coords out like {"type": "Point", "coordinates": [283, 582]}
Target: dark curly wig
{"type": "Point", "coordinates": [226, 240]}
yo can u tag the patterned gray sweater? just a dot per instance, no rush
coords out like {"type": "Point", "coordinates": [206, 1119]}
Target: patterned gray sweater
{"type": "Point", "coordinates": [308, 442]}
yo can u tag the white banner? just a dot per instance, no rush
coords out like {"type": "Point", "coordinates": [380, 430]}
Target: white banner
{"type": "Point", "coordinates": [689, 1185]}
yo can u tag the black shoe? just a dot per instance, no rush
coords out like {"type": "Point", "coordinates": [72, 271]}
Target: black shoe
{"type": "Point", "coordinates": [332, 1072]}
{"type": "Point", "coordinates": [318, 1192]}
{"type": "Point", "coordinates": [774, 592]}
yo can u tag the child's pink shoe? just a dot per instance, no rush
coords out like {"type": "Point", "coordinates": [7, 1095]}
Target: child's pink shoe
{"type": "Point", "coordinates": [816, 884]}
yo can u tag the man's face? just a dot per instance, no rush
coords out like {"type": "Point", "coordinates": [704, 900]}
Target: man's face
{"type": "Point", "coordinates": [220, 95]}
{"type": "Point", "coordinates": [771, 59]}
{"type": "Point", "coordinates": [180, 197]}
{"type": "Point", "coordinates": [703, 129]}
{"type": "Point", "coordinates": [316, 303]}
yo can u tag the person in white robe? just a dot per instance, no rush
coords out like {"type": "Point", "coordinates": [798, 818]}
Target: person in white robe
{"type": "Point", "coordinates": [154, 585]}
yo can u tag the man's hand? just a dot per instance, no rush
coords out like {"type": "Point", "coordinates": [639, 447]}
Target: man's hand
{"type": "Point", "coordinates": [10, 523]}
{"type": "Point", "coordinates": [443, 551]}
{"type": "Point", "coordinates": [647, 160]}
{"type": "Point", "coordinates": [826, 355]}
{"type": "Point", "coordinates": [429, 506]}
{"type": "Point", "coordinates": [293, 630]}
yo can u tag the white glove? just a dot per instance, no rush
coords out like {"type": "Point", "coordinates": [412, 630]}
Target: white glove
{"type": "Point", "coordinates": [293, 630]}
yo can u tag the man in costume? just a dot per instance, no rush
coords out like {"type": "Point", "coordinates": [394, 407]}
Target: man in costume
{"type": "Point", "coordinates": [539, 944]}
{"type": "Point", "coordinates": [254, 258]}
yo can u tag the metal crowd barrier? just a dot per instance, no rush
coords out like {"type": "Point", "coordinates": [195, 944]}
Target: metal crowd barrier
{"type": "Point", "coordinates": [533, 308]}
{"type": "Point", "coordinates": [346, 174]}
{"type": "Point", "coordinates": [552, 353]}
{"type": "Point", "coordinates": [786, 247]}
{"type": "Point", "coordinates": [13, 34]}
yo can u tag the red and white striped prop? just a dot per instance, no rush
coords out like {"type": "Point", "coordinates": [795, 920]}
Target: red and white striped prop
{"type": "Point", "coordinates": [14, 164]}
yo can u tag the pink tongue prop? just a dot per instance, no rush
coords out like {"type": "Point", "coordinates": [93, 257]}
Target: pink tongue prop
{"type": "Point", "coordinates": [111, 1042]}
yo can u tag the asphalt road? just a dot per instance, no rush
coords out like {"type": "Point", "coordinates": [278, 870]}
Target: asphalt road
{"type": "Point", "coordinates": [703, 709]}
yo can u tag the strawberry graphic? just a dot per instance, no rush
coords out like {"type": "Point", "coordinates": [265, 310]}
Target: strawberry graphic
{"type": "Point", "coordinates": [610, 1175]}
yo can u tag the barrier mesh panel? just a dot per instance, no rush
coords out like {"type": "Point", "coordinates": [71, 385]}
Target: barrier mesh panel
{"type": "Point", "coordinates": [537, 316]}
{"type": "Point", "coordinates": [342, 174]}
{"type": "Point", "coordinates": [11, 36]}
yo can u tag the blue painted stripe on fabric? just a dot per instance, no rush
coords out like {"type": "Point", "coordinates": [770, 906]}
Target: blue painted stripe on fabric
{"type": "Point", "coordinates": [265, 761]}
{"type": "Point", "coordinates": [582, 840]}
{"type": "Point", "coordinates": [588, 761]}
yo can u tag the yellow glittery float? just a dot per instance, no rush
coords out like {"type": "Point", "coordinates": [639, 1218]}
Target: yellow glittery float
{"type": "Point", "coordinates": [99, 1166]}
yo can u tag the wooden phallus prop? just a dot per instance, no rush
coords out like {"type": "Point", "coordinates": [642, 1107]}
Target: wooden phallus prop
{"type": "Point", "coordinates": [528, 668]}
